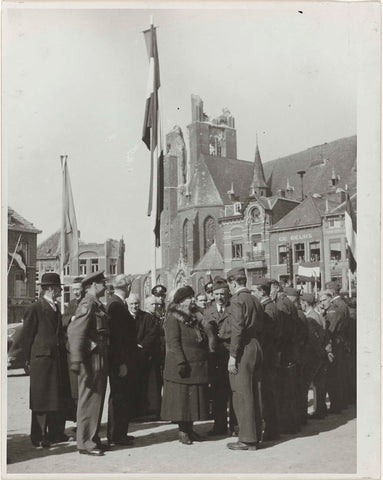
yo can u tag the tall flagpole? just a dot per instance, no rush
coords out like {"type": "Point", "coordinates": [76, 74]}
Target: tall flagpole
{"type": "Point", "coordinates": [155, 186]}
{"type": "Point", "coordinates": [63, 159]}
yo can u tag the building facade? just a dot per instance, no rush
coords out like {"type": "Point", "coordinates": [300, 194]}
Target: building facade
{"type": "Point", "coordinates": [21, 273]}
{"type": "Point", "coordinates": [92, 257]}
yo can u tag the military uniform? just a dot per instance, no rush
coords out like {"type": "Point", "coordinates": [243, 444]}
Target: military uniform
{"type": "Point", "coordinates": [88, 341]}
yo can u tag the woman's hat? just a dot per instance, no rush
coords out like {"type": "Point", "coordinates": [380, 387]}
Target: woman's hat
{"type": "Point", "coordinates": [182, 293]}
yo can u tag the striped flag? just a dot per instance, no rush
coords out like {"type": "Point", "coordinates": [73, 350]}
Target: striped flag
{"type": "Point", "coordinates": [151, 134]}
{"type": "Point", "coordinates": [350, 225]}
{"type": "Point", "coordinates": [69, 234]}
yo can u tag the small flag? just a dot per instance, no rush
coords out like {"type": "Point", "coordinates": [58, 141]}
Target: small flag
{"type": "Point", "coordinates": [69, 225]}
{"type": "Point", "coordinates": [151, 134]}
{"type": "Point", "coordinates": [350, 225]}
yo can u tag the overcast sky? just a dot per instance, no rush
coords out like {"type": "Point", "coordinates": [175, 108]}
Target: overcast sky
{"type": "Point", "coordinates": [74, 82]}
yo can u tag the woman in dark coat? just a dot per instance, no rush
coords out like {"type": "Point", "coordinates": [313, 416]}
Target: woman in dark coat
{"type": "Point", "coordinates": [186, 368]}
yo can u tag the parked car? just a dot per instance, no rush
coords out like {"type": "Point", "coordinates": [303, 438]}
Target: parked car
{"type": "Point", "coordinates": [16, 358]}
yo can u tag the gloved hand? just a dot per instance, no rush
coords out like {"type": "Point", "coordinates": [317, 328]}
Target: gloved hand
{"type": "Point", "coordinates": [183, 370]}
{"type": "Point", "coordinates": [75, 367]}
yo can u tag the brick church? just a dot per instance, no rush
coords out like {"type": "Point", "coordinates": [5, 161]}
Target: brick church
{"type": "Point", "coordinates": [219, 211]}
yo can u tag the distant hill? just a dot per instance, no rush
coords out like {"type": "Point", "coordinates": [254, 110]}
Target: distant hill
{"type": "Point", "coordinates": [320, 163]}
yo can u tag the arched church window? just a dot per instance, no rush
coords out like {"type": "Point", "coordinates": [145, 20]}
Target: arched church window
{"type": "Point", "coordinates": [209, 230]}
{"type": "Point", "coordinates": [185, 238]}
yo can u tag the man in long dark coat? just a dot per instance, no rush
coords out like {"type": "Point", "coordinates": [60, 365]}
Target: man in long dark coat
{"type": "Point", "coordinates": [218, 317]}
{"type": "Point", "coordinates": [245, 361]}
{"type": "Point", "coordinates": [43, 342]}
{"type": "Point", "coordinates": [148, 343]}
{"type": "Point", "coordinates": [88, 342]}
{"type": "Point", "coordinates": [271, 338]}
{"type": "Point", "coordinates": [122, 358]}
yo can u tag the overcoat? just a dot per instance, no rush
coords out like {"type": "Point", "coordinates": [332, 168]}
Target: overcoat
{"type": "Point", "coordinates": [66, 319]}
{"type": "Point", "coordinates": [183, 348]}
{"type": "Point", "coordinates": [43, 342]}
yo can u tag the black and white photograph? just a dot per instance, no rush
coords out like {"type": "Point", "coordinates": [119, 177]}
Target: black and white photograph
{"type": "Point", "coordinates": [191, 259]}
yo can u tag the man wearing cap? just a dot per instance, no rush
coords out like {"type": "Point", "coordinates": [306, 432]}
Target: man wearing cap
{"type": "Point", "coordinates": [122, 359]}
{"type": "Point", "coordinates": [320, 353]}
{"type": "Point", "coordinates": [159, 292]}
{"type": "Point", "coordinates": [335, 327]}
{"type": "Point", "coordinates": [43, 342]}
{"type": "Point", "coordinates": [88, 342]}
{"type": "Point", "coordinates": [271, 336]}
{"type": "Point", "coordinates": [68, 316]}
{"type": "Point", "coordinates": [209, 293]}
{"type": "Point", "coordinates": [245, 361]}
{"type": "Point", "coordinates": [218, 316]}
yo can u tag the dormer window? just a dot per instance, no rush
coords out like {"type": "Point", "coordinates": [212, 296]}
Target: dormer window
{"type": "Point", "coordinates": [237, 208]}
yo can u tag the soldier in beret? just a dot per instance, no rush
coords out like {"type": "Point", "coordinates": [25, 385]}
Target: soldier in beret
{"type": "Point", "coordinates": [217, 317]}
{"type": "Point", "coordinates": [43, 342]}
{"type": "Point", "coordinates": [271, 338]}
{"type": "Point", "coordinates": [88, 342]}
{"type": "Point", "coordinates": [245, 361]}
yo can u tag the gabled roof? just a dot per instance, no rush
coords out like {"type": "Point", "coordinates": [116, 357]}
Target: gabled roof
{"type": "Point", "coordinates": [19, 223]}
{"type": "Point", "coordinates": [225, 171]}
{"type": "Point", "coordinates": [212, 260]}
{"type": "Point", "coordinates": [318, 162]}
{"type": "Point", "coordinates": [49, 248]}
{"type": "Point", "coordinates": [203, 188]}
{"type": "Point", "coordinates": [305, 214]}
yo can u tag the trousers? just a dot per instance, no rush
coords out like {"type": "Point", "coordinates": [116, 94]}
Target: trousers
{"type": "Point", "coordinates": [246, 388]}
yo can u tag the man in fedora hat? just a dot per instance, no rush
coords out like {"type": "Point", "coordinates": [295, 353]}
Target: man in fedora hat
{"type": "Point", "coordinates": [43, 342]}
{"type": "Point", "coordinates": [88, 342]}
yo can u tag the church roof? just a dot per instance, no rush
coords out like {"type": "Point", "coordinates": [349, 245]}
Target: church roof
{"type": "Point", "coordinates": [306, 214]}
{"type": "Point", "coordinates": [212, 260]}
{"type": "Point", "coordinates": [319, 163]}
{"type": "Point", "coordinates": [19, 223]}
{"type": "Point", "coordinates": [227, 171]}
{"type": "Point", "coordinates": [49, 248]}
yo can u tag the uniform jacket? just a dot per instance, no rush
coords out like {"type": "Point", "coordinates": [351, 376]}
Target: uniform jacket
{"type": "Point", "coordinates": [147, 333]}
{"type": "Point", "coordinates": [272, 331]}
{"type": "Point", "coordinates": [219, 323]}
{"type": "Point", "coordinates": [122, 331]}
{"type": "Point", "coordinates": [246, 320]}
{"type": "Point", "coordinates": [88, 334]}
{"type": "Point", "coordinates": [317, 338]}
{"type": "Point", "coordinates": [43, 342]}
{"type": "Point", "coordinates": [289, 321]}
{"type": "Point", "coordinates": [183, 348]}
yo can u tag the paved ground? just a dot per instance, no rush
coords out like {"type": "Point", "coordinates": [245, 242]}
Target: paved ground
{"type": "Point", "coordinates": [323, 446]}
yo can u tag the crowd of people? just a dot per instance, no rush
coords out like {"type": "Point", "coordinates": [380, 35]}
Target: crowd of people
{"type": "Point", "coordinates": [245, 357]}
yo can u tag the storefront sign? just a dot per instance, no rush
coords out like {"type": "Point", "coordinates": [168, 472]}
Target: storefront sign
{"type": "Point", "coordinates": [301, 236]}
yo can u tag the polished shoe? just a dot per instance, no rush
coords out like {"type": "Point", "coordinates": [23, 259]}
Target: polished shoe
{"type": "Point", "coordinates": [216, 433]}
{"type": "Point", "coordinates": [242, 446]}
{"type": "Point", "coordinates": [194, 436]}
{"type": "Point", "coordinates": [96, 452]}
{"type": "Point", "coordinates": [184, 438]}
{"type": "Point", "coordinates": [42, 444]}
{"type": "Point", "coordinates": [126, 441]}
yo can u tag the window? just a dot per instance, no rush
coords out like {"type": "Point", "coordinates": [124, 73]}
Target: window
{"type": "Point", "coordinates": [334, 222]}
{"type": "Point", "coordinates": [257, 244]}
{"type": "Point", "coordinates": [94, 265]}
{"type": "Point", "coordinates": [314, 251]}
{"type": "Point", "coordinates": [67, 270]}
{"type": "Point", "coordinates": [255, 215]}
{"type": "Point", "coordinates": [113, 266]}
{"type": "Point", "coordinates": [237, 208]}
{"type": "Point", "coordinates": [236, 249]}
{"type": "Point", "coordinates": [282, 253]}
{"type": "Point", "coordinates": [66, 294]}
{"type": "Point", "coordinates": [335, 250]}
{"type": "Point", "coordinates": [185, 238]}
{"type": "Point", "coordinates": [20, 285]}
{"type": "Point", "coordinates": [209, 233]}
{"type": "Point", "coordinates": [22, 250]}
{"type": "Point", "coordinates": [83, 269]}
{"type": "Point", "coordinates": [299, 252]}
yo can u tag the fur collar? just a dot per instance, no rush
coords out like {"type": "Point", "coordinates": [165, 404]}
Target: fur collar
{"type": "Point", "coordinates": [182, 315]}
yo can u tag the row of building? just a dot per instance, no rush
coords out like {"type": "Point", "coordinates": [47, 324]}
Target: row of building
{"type": "Point", "coordinates": [283, 219]}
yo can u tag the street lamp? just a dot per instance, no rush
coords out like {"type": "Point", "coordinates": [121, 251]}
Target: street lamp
{"type": "Point", "coordinates": [301, 173]}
